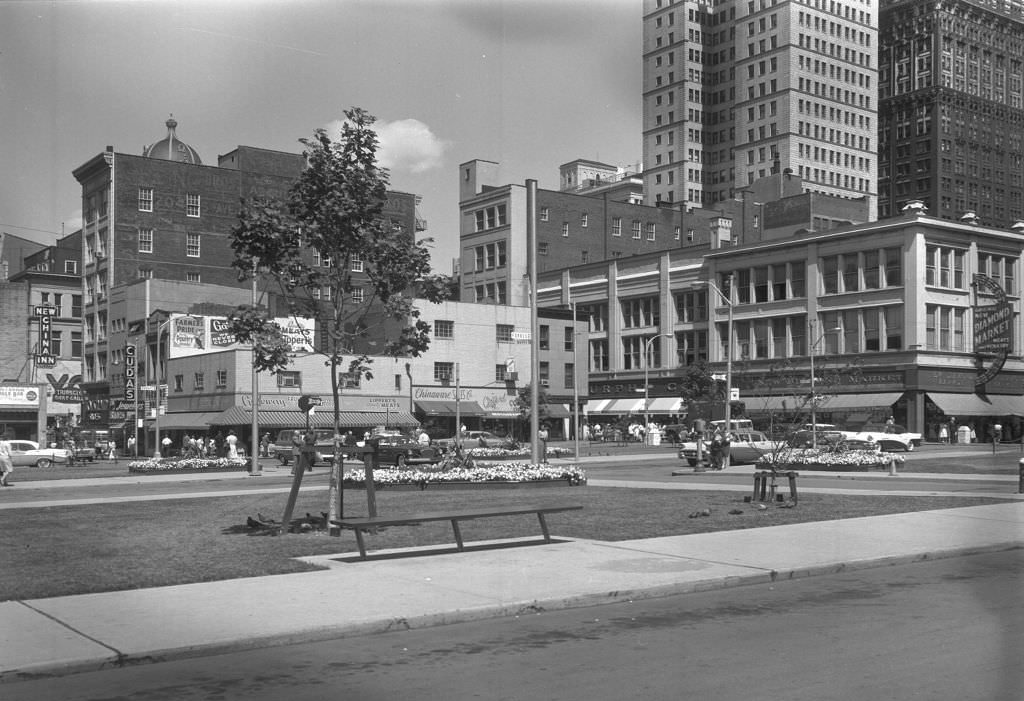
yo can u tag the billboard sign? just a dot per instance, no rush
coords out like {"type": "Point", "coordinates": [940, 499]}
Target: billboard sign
{"type": "Point", "coordinates": [993, 329]}
{"type": "Point", "coordinates": [197, 335]}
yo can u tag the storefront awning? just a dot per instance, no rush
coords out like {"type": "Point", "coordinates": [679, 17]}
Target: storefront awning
{"type": "Point", "coordinates": [626, 406]}
{"type": "Point", "coordinates": [665, 405]}
{"type": "Point", "coordinates": [976, 405]}
{"type": "Point", "coordinates": [859, 401]}
{"type": "Point", "coordinates": [469, 409]}
{"type": "Point", "coordinates": [237, 416]}
{"type": "Point", "coordinates": [435, 408]}
{"type": "Point", "coordinates": [201, 420]}
{"type": "Point", "coordinates": [834, 402]}
{"type": "Point", "coordinates": [596, 406]}
{"type": "Point", "coordinates": [558, 411]}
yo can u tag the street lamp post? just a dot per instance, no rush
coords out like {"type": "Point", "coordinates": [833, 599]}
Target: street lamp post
{"type": "Point", "coordinates": [814, 399]}
{"type": "Point", "coordinates": [156, 373]}
{"type": "Point", "coordinates": [647, 364]}
{"type": "Point", "coordinates": [727, 299]}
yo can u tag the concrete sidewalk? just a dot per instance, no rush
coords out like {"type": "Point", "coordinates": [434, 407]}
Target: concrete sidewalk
{"type": "Point", "coordinates": [439, 585]}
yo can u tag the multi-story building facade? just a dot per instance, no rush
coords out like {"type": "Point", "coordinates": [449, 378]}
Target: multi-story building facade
{"type": "Point", "coordinates": [736, 91]}
{"type": "Point", "coordinates": [165, 218]}
{"type": "Point", "coordinates": [951, 114]}
{"type": "Point", "coordinates": [904, 322]}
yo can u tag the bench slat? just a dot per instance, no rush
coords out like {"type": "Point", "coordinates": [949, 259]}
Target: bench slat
{"type": "Point", "coordinates": [369, 522]}
{"type": "Point", "coordinates": [361, 525]}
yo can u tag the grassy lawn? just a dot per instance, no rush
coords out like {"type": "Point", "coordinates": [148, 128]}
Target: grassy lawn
{"type": "Point", "coordinates": [55, 551]}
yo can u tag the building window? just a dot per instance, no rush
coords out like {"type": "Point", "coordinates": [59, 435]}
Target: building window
{"type": "Point", "coordinates": [569, 334]}
{"type": "Point", "coordinates": [491, 217]}
{"type": "Point", "coordinates": [503, 333]}
{"type": "Point", "coordinates": [542, 248]}
{"type": "Point", "coordinates": [355, 263]}
{"type": "Point", "coordinates": [144, 273]}
{"type": "Point", "coordinates": [55, 342]}
{"type": "Point", "coordinates": [444, 328]}
{"type": "Point", "coordinates": [192, 277]}
{"type": "Point", "coordinates": [544, 342]}
{"type": "Point", "coordinates": [598, 314]}
{"type": "Point", "coordinates": [349, 380]}
{"type": "Point", "coordinates": [617, 226]}
{"type": "Point", "coordinates": [192, 248]}
{"type": "Point", "coordinates": [544, 373]}
{"type": "Point", "coordinates": [444, 372]}
{"type": "Point", "coordinates": [357, 294]}
{"type": "Point", "coordinates": [76, 306]}
{"type": "Point", "coordinates": [76, 344]}
{"type": "Point", "coordinates": [71, 267]}
{"type": "Point", "coordinates": [692, 307]}
{"type": "Point", "coordinates": [544, 213]}
{"type": "Point", "coordinates": [599, 355]}
{"type": "Point", "coordinates": [145, 240]}
{"type": "Point", "coordinates": [636, 229]}
{"type": "Point", "coordinates": [289, 378]}
{"type": "Point", "coordinates": [691, 346]}
{"type": "Point", "coordinates": [179, 383]}
{"type": "Point", "coordinates": [565, 229]}
{"type": "Point", "coordinates": [639, 312]}
{"type": "Point", "coordinates": [199, 381]}
{"type": "Point", "coordinates": [569, 375]}
{"type": "Point", "coordinates": [651, 231]}
{"type": "Point", "coordinates": [191, 205]}
{"type": "Point", "coordinates": [500, 372]}
{"type": "Point", "coordinates": [944, 328]}
{"type": "Point", "coordinates": [222, 379]}
{"type": "Point", "coordinates": [583, 220]}
{"type": "Point", "coordinates": [145, 199]}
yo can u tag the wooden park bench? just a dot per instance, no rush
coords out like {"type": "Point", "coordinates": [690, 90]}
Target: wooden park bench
{"type": "Point", "coordinates": [365, 524]}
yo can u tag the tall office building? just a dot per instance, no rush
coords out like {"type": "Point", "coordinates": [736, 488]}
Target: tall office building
{"type": "Point", "coordinates": [734, 91]}
{"type": "Point", "coordinates": [952, 108]}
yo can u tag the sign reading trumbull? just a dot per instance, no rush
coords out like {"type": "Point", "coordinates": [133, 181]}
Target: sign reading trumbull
{"type": "Point", "coordinates": [195, 335]}
{"type": "Point", "coordinates": [993, 329]}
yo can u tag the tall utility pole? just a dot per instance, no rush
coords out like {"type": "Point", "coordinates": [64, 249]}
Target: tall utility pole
{"type": "Point", "coordinates": [254, 450]}
{"type": "Point", "coordinates": [531, 245]}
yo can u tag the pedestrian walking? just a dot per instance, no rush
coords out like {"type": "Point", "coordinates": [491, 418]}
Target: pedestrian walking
{"type": "Point", "coordinates": [943, 433]}
{"type": "Point", "coordinates": [6, 466]}
{"type": "Point", "coordinates": [232, 442]}
{"type": "Point", "coordinates": [112, 451]}
{"type": "Point", "coordinates": [265, 446]}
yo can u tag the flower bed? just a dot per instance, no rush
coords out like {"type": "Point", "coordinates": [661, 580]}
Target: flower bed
{"type": "Point", "coordinates": [170, 465]}
{"type": "Point", "coordinates": [820, 459]}
{"type": "Point", "coordinates": [520, 453]}
{"type": "Point", "coordinates": [503, 474]}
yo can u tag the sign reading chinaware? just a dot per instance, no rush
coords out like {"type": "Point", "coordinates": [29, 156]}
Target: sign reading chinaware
{"type": "Point", "coordinates": [993, 329]}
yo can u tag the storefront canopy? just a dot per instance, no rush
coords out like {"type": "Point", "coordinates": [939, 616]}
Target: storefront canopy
{"type": "Point", "coordinates": [977, 405]}
{"type": "Point", "coordinates": [448, 408]}
{"type": "Point", "coordinates": [558, 411]}
{"type": "Point", "coordinates": [665, 405]}
{"type": "Point", "coordinates": [236, 416]}
{"type": "Point", "coordinates": [835, 402]}
{"type": "Point", "coordinates": [201, 420]}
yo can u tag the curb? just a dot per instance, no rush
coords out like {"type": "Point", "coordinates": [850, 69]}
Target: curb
{"type": "Point", "coordinates": [336, 632]}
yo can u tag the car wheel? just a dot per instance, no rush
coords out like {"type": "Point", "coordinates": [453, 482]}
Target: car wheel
{"type": "Point", "coordinates": [43, 462]}
{"type": "Point", "coordinates": [910, 447]}
{"type": "Point", "coordinates": [400, 461]}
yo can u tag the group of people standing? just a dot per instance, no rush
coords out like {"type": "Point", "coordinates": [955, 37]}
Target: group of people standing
{"type": "Point", "coordinates": [203, 446]}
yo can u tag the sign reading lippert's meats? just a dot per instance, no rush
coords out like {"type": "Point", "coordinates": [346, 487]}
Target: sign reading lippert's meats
{"type": "Point", "coordinates": [993, 329]}
{"type": "Point", "coordinates": [196, 335]}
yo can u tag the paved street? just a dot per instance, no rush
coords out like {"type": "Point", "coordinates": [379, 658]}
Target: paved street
{"type": "Point", "coordinates": [950, 629]}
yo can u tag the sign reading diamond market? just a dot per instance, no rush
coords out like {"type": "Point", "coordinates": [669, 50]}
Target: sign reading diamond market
{"type": "Point", "coordinates": [993, 329]}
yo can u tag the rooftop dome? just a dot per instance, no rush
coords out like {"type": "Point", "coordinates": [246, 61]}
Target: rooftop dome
{"type": "Point", "coordinates": [171, 148]}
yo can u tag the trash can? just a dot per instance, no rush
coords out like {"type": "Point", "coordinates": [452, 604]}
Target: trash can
{"type": "Point", "coordinates": [654, 437]}
{"type": "Point", "coordinates": [963, 434]}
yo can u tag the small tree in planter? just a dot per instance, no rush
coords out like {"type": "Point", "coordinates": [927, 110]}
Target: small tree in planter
{"type": "Point", "coordinates": [359, 287]}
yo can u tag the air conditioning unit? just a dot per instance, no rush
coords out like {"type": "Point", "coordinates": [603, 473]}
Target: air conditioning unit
{"type": "Point", "coordinates": [545, 383]}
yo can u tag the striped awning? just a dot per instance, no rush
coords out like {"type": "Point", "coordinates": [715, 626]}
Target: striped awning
{"type": "Point", "coordinates": [665, 405]}
{"type": "Point", "coordinates": [194, 419]}
{"type": "Point", "coordinates": [238, 416]}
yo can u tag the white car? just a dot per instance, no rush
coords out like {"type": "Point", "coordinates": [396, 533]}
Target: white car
{"type": "Point", "coordinates": [745, 447]}
{"type": "Point", "coordinates": [888, 438]}
{"type": "Point", "coordinates": [29, 454]}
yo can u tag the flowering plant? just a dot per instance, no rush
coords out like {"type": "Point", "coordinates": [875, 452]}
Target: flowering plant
{"type": "Point", "coordinates": [507, 453]}
{"type": "Point", "coordinates": [212, 464]}
{"type": "Point", "coordinates": [503, 472]}
{"type": "Point", "coordinates": [810, 457]}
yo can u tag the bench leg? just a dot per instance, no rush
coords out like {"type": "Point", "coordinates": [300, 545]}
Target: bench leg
{"type": "Point", "coordinates": [361, 543]}
{"type": "Point", "coordinates": [458, 534]}
{"type": "Point", "coordinates": [544, 528]}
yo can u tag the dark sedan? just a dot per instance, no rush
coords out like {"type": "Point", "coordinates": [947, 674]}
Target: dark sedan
{"type": "Point", "coordinates": [401, 451]}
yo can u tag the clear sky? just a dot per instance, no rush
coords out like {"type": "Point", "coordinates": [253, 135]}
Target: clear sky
{"type": "Point", "coordinates": [531, 84]}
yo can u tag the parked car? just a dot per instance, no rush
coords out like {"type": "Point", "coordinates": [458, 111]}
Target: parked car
{"type": "Point", "coordinates": [745, 447]}
{"type": "Point", "coordinates": [400, 450]}
{"type": "Point", "coordinates": [283, 447]}
{"type": "Point", "coordinates": [84, 453]}
{"type": "Point", "coordinates": [890, 438]}
{"type": "Point", "coordinates": [474, 439]}
{"type": "Point", "coordinates": [29, 454]}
